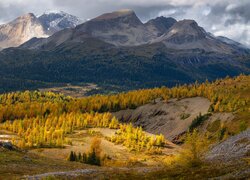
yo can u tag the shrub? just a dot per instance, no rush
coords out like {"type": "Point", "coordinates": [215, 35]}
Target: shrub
{"type": "Point", "coordinates": [214, 126]}
{"type": "Point", "coordinates": [243, 126]}
{"type": "Point", "coordinates": [198, 121]}
{"type": "Point", "coordinates": [193, 150]}
{"type": "Point", "coordinates": [222, 133]}
{"type": "Point", "coordinates": [184, 116]}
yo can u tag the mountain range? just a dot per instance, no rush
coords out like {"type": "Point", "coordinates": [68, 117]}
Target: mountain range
{"type": "Point", "coordinates": [28, 26]}
{"type": "Point", "coordinates": [124, 28]}
{"type": "Point", "coordinates": [118, 49]}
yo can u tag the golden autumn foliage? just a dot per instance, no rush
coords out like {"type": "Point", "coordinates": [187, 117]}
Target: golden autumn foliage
{"type": "Point", "coordinates": [192, 153]}
{"type": "Point", "coordinates": [44, 118]}
{"type": "Point", "coordinates": [51, 130]}
{"type": "Point", "coordinates": [135, 139]}
{"type": "Point", "coordinates": [230, 94]}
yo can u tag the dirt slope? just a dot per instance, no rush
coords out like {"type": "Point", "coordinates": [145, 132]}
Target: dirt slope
{"type": "Point", "coordinates": [169, 118]}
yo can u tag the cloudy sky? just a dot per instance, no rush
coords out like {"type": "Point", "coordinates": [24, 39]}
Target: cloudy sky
{"type": "Point", "coordinates": [230, 18]}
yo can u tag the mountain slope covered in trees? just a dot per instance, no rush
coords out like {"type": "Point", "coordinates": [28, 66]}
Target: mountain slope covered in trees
{"type": "Point", "coordinates": [228, 95]}
{"type": "Point", "coordinates": [131, 68]}
{"type": "Point", "coordinates": [118, 49]}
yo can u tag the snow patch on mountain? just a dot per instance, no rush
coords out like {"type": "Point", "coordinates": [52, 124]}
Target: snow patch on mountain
{"type": "Point", "coordinates": [29, 26]}
{"type": "Point", "coordinates": [54, 21]}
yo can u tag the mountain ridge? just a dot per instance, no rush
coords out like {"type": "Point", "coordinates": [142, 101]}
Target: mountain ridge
{"type": "Point", "coordinates": [124, 28]}
{"type": "Point", "coordinates": [160, 25]}
{"type": "Point", "coordinates": [117, 51]}
{"type": "Point", "coordinates": [27, 26]}
{"type": "Point", "coordinates": [20, 30]}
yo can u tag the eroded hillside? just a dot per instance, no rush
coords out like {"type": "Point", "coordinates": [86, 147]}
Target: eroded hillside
{"type": "Point", "coordinates": [170, 118]}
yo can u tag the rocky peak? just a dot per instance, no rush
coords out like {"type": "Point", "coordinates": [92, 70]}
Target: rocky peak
{"type": "Point", "coordinates": [29, 17]}
{"type": "Point", "coordinates": [20, 30]}
{"type": "Point", "coordinates": [187, 34]}
{"type": "Point", "coordinates": [28, 26]}
{"type": "Point", "coordinates": [124, 16]}
{"type": "Point", "coordinates": [160, 25]}
{"type": "Point", "coordinates": [120, 28]}
{"type": "Point", "coordinates": [54, 21]}
{"type": "Point", "coordinates": [115, 14]}
{"type": "Point", "coordinates": [185, 31]}
{"type": "Point", "coordinates": [187, 27]}
{"type": "Point", "coordinates": [166, 21]}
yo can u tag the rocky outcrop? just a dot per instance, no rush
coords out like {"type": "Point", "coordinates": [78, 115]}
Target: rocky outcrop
{"type": "Point", "coordinates": [171, 118]}
{"type": "Point", "coordinates": [120, 28]}
{"type": "Point", "coordinates": [29, 26]}
{"type": "Point", "coordinates": [187, 34]}
{"type": "Point", "coordinates": [54, 21]}
{"type": "Point", "coordinates": [160, 25]}
{"type": "Point", "coordinates": [232, 148]}
{"type": "Point", "coordinates": [21, 30]}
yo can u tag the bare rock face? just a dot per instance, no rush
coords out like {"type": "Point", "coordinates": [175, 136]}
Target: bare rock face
{"type": "Point", "coordinates": [234, 147]}
{"type": "Point", "coordinates": [166, 117]}
{"type": "Point", "coordinates": [54, 21]}
{"type": "Point", "coordinates": [20, 30]}
{"type": "Point", "coordinates": [29, 26]}
{"type": "Point", "coordinates": [186, 34]}
{"type": "Point", "coordinates": [120, 28]}
{"type": "Point", "coordinates": [185, 31]}
{"type": "Point", "coordinates": [160, 25]}
{"type": "Point", "coordinates": [123, 28]}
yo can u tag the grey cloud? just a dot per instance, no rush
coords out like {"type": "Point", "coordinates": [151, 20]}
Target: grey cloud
{"type": "Point", "coordinates": [235, 14]}
{"type": "Point", "coordinates": [242, 11]}
{"type": "Point", "coordinates": [10, 9]}
{"type": "Point", "coordinates": [9, 13]}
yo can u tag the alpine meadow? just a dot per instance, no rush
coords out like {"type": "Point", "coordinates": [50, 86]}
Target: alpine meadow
{"type": "Point", "coordinates": [138, 93]}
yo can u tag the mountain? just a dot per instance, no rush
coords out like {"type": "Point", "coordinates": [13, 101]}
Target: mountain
{"type": "Point", "coordinates": [20, 30]}
{"type": "Point", "coordinates": [123, 28]}
{"type": "Point", "coordinates": [119, 28]}
{"type": "Point", "coordinates": [186, 34]}
{"type": "Point", "coordinates": [118, 49]}
{"type": "Point", "coordinates": [160, 25]}
{"type": "Point", "coordinates": [28, 26]}
{"type": "Point", "coordinates": [54, 21]}
{"type": "Point", "coordinates": [231, 42]}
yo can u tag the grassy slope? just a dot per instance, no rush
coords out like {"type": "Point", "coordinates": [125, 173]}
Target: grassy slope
{"type": "Point", "coordinates": [241, 89]}
{"type": "Point", "coordinates": [16, 164]}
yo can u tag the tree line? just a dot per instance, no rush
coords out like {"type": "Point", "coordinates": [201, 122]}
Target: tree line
{"type": "Point", "coordinates": [226, 95]}
{"type": "Point", "coordinates": [44, 118]}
